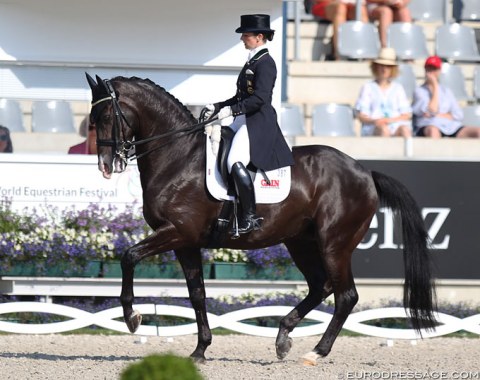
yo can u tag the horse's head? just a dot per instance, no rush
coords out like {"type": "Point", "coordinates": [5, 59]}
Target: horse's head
{"type": "Point", "coordinates": [114, 135]}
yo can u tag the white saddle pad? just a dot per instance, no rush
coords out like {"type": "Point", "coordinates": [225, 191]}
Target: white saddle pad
{"type": "Point", "coordinates": [277, 191]}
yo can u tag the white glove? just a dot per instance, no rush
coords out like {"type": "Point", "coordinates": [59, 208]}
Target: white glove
{"type": "Point", "coordinates": [224, 113]}
{"type": "Point", "coordinates": [210, 111]}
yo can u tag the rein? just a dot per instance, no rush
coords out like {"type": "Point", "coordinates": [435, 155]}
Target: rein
{"type": "Point", "coordinates": [122, 147]}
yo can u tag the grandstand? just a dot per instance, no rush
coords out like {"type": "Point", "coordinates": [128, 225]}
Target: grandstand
{"type": "Point", "coordinates": [310, 80]}
{"type": "Point", "coordinates": [313, 79]}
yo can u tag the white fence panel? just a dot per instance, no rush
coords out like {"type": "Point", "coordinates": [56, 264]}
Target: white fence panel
{"type": "Point", "coordinates": [231, 321]}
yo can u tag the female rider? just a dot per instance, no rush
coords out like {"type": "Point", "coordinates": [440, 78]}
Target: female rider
{"type": "Point", "coordinates": [258, 139]}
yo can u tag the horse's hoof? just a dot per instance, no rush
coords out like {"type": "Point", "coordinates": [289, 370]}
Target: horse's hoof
{"type": "Point", "coordinates": [198, 359]}
{"type": "Point", "coordinates": [309, 359]}
{"type": "Point", "coordinates": [283, 347]}
{"type": "Point", "coordinates": [134, 321]}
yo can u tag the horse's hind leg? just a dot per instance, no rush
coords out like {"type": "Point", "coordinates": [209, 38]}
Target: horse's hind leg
{"type": "Point", "coordinates": [307, 258]}
{"type": "Point", "coordinates": [338, 265]}
{"type": "Point", "coordinates": [191, 261]}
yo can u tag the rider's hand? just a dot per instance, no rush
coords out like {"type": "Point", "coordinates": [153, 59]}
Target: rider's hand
{"type": "Point", "coordinates": [224, 113]}
{"type": "Point", "coordinates": [210, 110]}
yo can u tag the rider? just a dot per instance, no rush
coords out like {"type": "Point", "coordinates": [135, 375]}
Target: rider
{"type": "Point", "coordinates": [258, 138]}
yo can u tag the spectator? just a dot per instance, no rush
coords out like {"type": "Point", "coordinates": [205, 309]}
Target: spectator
{"type": "Point", "coordinates": [337, 11]}
{"type": "Point", "coordinates": [436, 112]}
{"type": "Point", "coordinates": [6, 145]}
{"type": "Point", "coordinates": [382, 106]}
{"type": "Point", "coordinates": [89, 146]}
{"type": "Point", "coordinates": [386, 12]}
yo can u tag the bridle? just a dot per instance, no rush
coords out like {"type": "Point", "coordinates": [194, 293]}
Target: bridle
{"type": "Point", "coordinates": [122, 147]}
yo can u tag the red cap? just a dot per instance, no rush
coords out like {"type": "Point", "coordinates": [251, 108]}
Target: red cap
{"type": "Point", "coordinates": [433, 61]}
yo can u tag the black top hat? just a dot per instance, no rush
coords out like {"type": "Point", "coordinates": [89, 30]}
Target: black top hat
{"type": "Point", "coordinates": [254, 23]}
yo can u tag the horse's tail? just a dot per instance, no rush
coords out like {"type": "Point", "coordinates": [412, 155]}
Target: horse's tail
{"type": "Point", "coordinates": [419, 290]}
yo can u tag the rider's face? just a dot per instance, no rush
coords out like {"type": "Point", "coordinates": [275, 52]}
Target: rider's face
{"type": "Point", "coordinates": [251, 40]}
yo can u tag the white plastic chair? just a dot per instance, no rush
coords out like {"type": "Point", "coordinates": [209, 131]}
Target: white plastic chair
{"type": "Point", "coordinates": [11, 115]}
{"type": "Point", "coordinates": [406, 77]}
{"type": "Point", "coordinates": [466, 10]}
{"type": "Point", "coordinates": [471, 115]}
{"type": "Point", "coordinates": [453, 78]}
{"type": "Point", "coordinates": [408, 40]}
{"type": "Point", "coordinates": [476, 83]}
{"type": "Point", "coordinates": [291, 121]}
{"type": "Point", "coordinates": [52, 116]}
{"type": "Point", "coordinates": [331, 119]}
{"type": "Point", "coordinates": [427, 10]}
{"type": "Point", "coordinates": [358, 40]}
{"type": "Point", "coordinates": [456, 42]}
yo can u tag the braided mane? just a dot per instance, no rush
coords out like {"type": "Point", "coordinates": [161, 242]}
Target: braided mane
{"type": "Point", "coordinates": [158, 89]}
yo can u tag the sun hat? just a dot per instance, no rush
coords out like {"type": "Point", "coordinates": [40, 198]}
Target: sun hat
{"type": "Point", "coordinates": [254, 23]}
{"type": "Point", "coordinates": [434, 61]}
{"type": "Point", "coordinates": [387, 57]}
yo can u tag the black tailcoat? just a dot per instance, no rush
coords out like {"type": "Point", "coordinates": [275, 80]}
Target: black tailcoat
{"type": "Point", "coordinates": [268, 148]}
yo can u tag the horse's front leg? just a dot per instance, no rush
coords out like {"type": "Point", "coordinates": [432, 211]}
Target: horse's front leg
{"type": "Point", "coordinates": [162, 240]}
{"type": "Point", "coordinates": [191, 261]}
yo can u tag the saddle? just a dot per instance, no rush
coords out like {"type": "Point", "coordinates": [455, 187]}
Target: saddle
{"type": "Point", "coordinates": [271, 187]}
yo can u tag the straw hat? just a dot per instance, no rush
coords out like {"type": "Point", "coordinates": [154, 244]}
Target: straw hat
{"type": "Point", "coordinates": [387, 57]}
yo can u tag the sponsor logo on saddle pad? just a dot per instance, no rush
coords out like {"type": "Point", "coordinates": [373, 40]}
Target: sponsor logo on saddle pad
{"type": "Point", "coordinates": [276, 191]}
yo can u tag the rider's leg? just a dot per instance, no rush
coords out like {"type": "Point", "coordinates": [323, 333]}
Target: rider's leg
{"type": "Point", "coordinates": [244, 188]}
{"type": "Point", "coordinates": [238, 159]}
{"type": "Point", "coordinates": [240, 150]}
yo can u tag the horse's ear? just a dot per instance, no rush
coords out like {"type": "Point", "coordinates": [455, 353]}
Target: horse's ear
{"type": "Point", "coordinates": [102, 85]}
{"type": "Point", "coordinates": [91, 81]}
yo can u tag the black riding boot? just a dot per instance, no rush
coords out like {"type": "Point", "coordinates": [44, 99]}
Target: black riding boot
{"type": "Point", "coordinates": [248, 221]}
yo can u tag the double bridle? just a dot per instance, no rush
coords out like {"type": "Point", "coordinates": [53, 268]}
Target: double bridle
{"type": "Point", "coordinates": [123, 147]}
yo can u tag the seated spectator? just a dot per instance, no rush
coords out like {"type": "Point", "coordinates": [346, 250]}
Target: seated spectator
{"type": "Point", "coordinates": [386, 12]}
{"type": "Point", "coordinates": [6, 145]}
{"type": "Point", "coordinates": [337, 11]}
{"type": "Point", "coordinates": [436, 111]}
{"type": "Point", "coordinates": [89, 146]}
{"type": "Point", "coordinates": [382, 106]}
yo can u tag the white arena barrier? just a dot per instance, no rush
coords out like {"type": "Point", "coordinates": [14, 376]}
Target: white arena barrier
{"type": "Point", "coordinates": [231, 321]}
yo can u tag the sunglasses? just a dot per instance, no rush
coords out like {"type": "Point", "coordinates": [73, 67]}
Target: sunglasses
{"type": "Point", "coordinates": [3, 137]}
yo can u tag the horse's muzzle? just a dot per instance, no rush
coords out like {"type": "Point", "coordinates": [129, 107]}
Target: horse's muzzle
{"type": "Point", "coordinates": [120, 165]}
{"type": "Point", "coordinates": [105, 167]}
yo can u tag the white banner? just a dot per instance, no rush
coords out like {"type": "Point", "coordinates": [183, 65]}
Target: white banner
{"type": "Point", "coordinates": [64, 181]}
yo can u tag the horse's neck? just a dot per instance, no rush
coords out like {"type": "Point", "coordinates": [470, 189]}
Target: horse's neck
{"type": "Point", "coordinates": [176, 153]}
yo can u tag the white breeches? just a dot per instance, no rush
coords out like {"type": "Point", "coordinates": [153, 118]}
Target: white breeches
{"type": "Point", "coordinates": [240, 150]}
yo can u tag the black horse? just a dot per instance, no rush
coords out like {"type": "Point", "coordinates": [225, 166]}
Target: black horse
{"type": "Point", "coordinates": [327, 213]}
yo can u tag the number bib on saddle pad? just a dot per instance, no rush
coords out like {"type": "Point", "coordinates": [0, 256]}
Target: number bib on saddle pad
{"type": "Point", "coordinates": [277, 191]}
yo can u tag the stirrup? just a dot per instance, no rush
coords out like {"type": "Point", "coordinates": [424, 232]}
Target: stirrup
{"type": "Point", "coordinates": [252, 224]}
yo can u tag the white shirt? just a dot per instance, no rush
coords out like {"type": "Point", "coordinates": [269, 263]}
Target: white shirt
{"type": "Point", "coordinates": [377, 103]}
{"type": "Point", "coordinates": [252, 52]}
{"type": "Point", "coordinates": [446, 104]}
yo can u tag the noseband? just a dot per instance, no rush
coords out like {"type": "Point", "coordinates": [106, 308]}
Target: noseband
{"type": "Point", "coordinates": [122, 147]}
